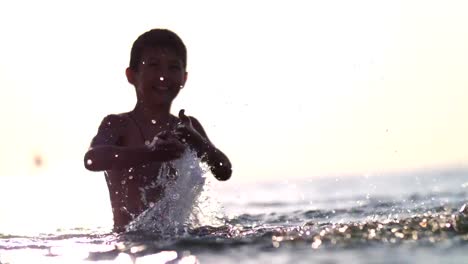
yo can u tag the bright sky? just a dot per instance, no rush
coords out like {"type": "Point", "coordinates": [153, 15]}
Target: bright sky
{"type": "Point", "coordinates": [285, 88]}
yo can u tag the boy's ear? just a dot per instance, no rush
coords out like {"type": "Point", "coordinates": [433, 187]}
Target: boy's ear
{"type": "Point", "coordinates": [130, 75]}
{"type": "Point", "coordinates": [185, 79]}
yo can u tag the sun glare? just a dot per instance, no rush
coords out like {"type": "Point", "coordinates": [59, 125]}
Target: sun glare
{"type": "Point", "coordinates": [46, 203]}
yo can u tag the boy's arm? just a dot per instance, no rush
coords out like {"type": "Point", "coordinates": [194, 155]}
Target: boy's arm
{"type": "Point", "coordinates": [107, 153]}
{"type": "Point", "coordinates": [193, 133]}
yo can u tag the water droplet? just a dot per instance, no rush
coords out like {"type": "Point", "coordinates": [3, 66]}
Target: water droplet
{"type": "Point", "coordinates": [151, 204]}
{"type": "Point", "coordinates": [89, 162]}
{"type": "Point", "coordinates": [137, 249]}
{"type": "Point", "coordinates": [130, 177]}
{"type": "Point", "coordinates": [161, 78]}
{"type": "Point", "coordinates": [220, 164]}
{"type": "Point", "coordinates": [153, 121]}
{"type": "Point", "coordinates": [181, 86]}
{"type": "Point", "coordinates": [175, 196]}
{"type": "Point", "coordinates": [116, 155]}
{"type": "Point", "coordinates": [123, 182]}
{"type": "Point", "coordinates": [130, 170]}
{"type": "Point", "coordinates": [317, 243]}
{"type": "Point", "coordinates": [108, 123]}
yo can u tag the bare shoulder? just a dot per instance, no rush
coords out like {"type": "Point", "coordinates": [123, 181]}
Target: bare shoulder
{"type": "Point", "coordinates": [111, 130]}
{"type": "Point", "coordinates": [115, 122]}
{"type": "Point", "coordinates": [114, 119]}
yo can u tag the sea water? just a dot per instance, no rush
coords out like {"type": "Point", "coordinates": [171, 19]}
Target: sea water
{"type": "Point", "coordinates": [406, 217]}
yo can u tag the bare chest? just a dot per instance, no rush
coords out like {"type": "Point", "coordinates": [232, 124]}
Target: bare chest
{"type": "Point", "coordinates": [137, 136]}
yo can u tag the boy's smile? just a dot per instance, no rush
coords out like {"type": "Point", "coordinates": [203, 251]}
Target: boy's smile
{"type": "Point", "coordinates": [159, 77]}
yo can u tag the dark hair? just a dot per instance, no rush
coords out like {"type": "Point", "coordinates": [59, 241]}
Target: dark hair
{"type": "Point", "coordinates": [157, 38]}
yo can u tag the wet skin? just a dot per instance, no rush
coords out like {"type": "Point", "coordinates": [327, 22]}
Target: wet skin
{"type": "Point", "coordinates": [125, 146]}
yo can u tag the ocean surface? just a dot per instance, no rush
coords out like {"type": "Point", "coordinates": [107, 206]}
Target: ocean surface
{"type": "Point", "coordinates": [407, 217]}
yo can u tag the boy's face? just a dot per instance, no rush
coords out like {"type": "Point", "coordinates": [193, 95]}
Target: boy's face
{"type": "Point", "coordinates": [159, 77]}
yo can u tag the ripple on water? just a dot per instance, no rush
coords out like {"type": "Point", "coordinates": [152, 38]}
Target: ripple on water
{"type": "Point", "coordinates": [448, 227]}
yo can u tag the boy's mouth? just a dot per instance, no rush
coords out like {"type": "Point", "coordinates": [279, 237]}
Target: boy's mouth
{"type": "Point", "coordinates": [161, 88]}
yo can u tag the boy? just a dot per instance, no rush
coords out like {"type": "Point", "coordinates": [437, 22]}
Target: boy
{"type": "Point", "coordinates": [131, 147]}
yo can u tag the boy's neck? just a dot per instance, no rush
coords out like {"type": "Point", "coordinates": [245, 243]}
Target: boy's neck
{"type": "Point", "coordinates": [159, 112]}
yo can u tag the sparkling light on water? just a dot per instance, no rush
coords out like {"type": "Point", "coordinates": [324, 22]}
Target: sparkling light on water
{"type": "Point", "coordinates": [285, 224]}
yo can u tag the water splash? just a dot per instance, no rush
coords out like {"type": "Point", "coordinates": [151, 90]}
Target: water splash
{"type": "Point", "coordinates": [185, 203]}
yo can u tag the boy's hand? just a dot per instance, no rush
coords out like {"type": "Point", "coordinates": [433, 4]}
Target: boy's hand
{"type": "Point", "coordinates": [166, 146]}
{"type": "Point", "coordinates": [185, 131]}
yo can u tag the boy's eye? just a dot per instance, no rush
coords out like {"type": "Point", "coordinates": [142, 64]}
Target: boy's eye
{"type": "Point", "coordinates": [150, 63]}
{"type": "Point", "coordinates": [175, 67]}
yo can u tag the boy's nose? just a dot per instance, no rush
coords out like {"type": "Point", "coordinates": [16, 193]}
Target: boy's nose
{"type": "Point", "coordinates": [162, 73]}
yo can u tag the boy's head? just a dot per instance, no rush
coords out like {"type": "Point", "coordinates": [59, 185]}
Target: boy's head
{"type": "Point", "coordinates": [157, 66]}
{"type": "Point", "coordinates": [160, 38]}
